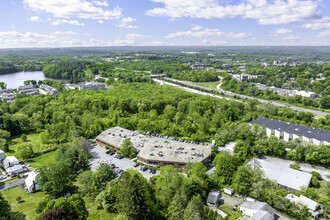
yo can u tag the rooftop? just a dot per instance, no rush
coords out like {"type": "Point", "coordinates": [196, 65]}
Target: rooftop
{"type": "Point", "coordinates": [156, 148]}
{"type": "Point", "coordinates": [263, 206]}
{"type": "Point", "coordinates": [291, 128]}
{"type": "Point", "coordinates": [284, 176]}
{"type": "Point", "coordinates": [312, 205]}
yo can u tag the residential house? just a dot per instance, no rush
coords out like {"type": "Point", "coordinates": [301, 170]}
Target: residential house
{"type": "Point", "coordinates": [213, 198]}
{"type": "Point", "coordinates": [257, 211]}
{"type": "Point", "coordinates": [30, 182]}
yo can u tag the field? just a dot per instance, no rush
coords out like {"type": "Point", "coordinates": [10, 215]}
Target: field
{"type": "Point", "coordinates": [232, 215]}
{"type": "Point", "coordinates": [33, 138]}
{"type": "Point", "coordinates": [28, 203]}
{"type": "Point", "coordinates": [43, 160]}
{"type": "Point", "coordinates": [95, 214]}
{"type": "Point", "coordinates": [211, 85]}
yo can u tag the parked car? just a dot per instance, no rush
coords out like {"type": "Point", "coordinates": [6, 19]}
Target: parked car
{"type": "Point", "coordinates": [108, 152]}
{"type": "Point", "coordinates": [153, 171]}
{"type": "Point", "coordinates": [112, 153]}
{"type": "Point", "coordinates": [120, 157]}
{"type": "Point", "coordinates": [136, 165]}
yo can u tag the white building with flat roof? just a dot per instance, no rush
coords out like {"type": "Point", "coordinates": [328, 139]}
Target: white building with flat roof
{"type": "Point", "coordinates": [289, 131]}
{"type": "Point", "coordinates": [286, 177]}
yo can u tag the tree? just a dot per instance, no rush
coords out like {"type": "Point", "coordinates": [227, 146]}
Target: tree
{"type": "Point", "coordinates": [76, 159]}
{"type": "Point", "coordinates": [53, 214]}
{"type": "Point", "coordinates": [3, 145]}
{"type": "Point", "coordinates": [24, 137]}
{"type": "Point", "coordinates": [86, 183]}
{"type": "Point", "coordinates": [73, 207]}
{"type": "Point", "coordinates": [4, 209]}
{"type": "Point", "coordinates": [134, 196]}
{"type": "Point", "coordinates": [25, 151]}
{"type": "Point", "coordinates": [127, 148]}
{"type": "Point", "coordinates": [55, 179]}
{"type": "Point", "coordinates": [177, 205]}
{"type": "Point", "coordinates": [102, 176]}
{"type": "Point", "coordinates": [242, 180]}
{"type": "Point", "coordinates": [194, 209]}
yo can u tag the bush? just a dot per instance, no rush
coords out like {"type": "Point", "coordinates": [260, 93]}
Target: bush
{"type": "Point", "coordinates": [295, 166]}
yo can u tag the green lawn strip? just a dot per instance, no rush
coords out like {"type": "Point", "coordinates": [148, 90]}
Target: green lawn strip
{"type": "Point", "coordinates": [43, 160]}
{"type": "Point", "coordinates": [94, 214]}
{"type": "Point", "coordinates": [232, 215]}
{"type": "Point", "coordinates": [28, 203]}
{"type": "Point", "coordinates": [212, 85]}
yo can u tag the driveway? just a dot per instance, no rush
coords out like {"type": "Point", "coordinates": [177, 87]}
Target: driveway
{"type": "Point", "coordinates": [12, 184]}
{"type": "Point", "coordinates": [99, 155]}
{"type": "Point", "coordinates": [230, 200]}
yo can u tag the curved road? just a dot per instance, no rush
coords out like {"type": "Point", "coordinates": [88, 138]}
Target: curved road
{"type": "Point", "coordinates": [315, 112]}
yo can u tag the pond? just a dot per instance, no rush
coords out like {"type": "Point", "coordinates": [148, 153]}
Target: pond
{"type": "Point", "coordinates": [14, 80]}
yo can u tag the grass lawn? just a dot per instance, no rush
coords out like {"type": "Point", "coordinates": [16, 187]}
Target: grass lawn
{"type": "Point", "coordinates": [95, 214]}
{"type": "Point", "coordinates": [232, 215]}
{"type": "Point", "coordinates": [28, 203]}
{"type": "Point", "coordinates": [33, 138]}
{"type": "Point", "coordinates": [43, 160]}
{"type": "Point", "coordinates": [212, 85]}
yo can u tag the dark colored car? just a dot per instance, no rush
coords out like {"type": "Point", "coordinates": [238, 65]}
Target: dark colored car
{"type": "Point", "coordinates": [136, 165]}
{"type": "Point", "coordinates": [153, 171]}
{"type": "Point", "coordinates": [112, 153]}
{"type": "Point", "coordinates": [108, 152]}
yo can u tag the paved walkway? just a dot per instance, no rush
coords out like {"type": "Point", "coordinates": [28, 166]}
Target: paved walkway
{"type": "Point", "coordinates": [12, 184]}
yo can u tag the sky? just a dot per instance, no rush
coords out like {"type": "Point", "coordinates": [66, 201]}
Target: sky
{"type": "Point", "coordinates": [75, 23]}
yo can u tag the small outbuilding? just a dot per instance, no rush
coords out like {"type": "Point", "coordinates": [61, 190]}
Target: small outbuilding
{"type": "Point", "coordinates": [228, 191]}
{"type": "Point", "coordinates": [31, 183]}
{"type": "Point", "coordinates": [258, 210]}
{"type": "Point", "coordinates": [213, 198]}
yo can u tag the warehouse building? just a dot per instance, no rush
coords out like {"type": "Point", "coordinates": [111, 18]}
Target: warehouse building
{"type": "Point", "coordinates": [156, 151]}
{"type": "Point", "coordinates": [287, 178]}
{"type": "Point", "coordinates": [290, 131]}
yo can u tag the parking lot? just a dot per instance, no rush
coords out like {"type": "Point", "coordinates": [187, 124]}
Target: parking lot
{"type": "Point", "coordinates": [100, 156]}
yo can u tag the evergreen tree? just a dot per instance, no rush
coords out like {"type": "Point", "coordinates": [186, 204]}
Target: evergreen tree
{"type": "Point", "coordinates": [194, 209]}
{"type": "Point", "coordinates": [176, 208]}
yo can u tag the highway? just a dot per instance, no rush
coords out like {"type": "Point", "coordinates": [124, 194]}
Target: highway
{"type": "Point", "coordinates": [315, 112]}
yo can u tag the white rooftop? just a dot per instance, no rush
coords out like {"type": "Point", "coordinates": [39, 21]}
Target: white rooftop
{"type": "Point", "coordinates": [284, 176]}
{"type": "Point", "coordinates": [310, 204]}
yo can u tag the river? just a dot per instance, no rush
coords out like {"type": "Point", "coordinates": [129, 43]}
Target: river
{"type": "Point", "coordinates": [14, 80]}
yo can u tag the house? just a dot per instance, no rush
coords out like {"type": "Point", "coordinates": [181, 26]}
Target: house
{"type": "Point", "coordinates": [2, 155]}
{"type": "Point", "coordinates": [10, 161]}
{"type": "Point", "coordinates": [287, 178]}
{"type": "Point", "coordinates": [304, 201]}
{"type": "Point", "coordinates": [290, 131]}
{"type": "Point", "coordinates": [14, 170]}
{"type": "Point", "coordinates": [30, 182]}
{"type": "Point", "coordinates": [257, 211]}
{"type": "Point", "coordinates": [213, 198]}
{"type": "Point", "coordinates": [228, 191]}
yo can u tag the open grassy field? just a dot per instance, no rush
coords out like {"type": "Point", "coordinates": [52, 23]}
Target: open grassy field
{"type": "Point", "coordinates": [28, 203]}
{"type": "Point", "coordinates": [232, 215]}
{"type": "Point", "coordinates": [43, 160]}
{"type": "Point", "coordinates": [33, 138]}
{"type": "Point", "coordinates": [95, 214]}
{"type": "Point", "coordinates": [211, 85]}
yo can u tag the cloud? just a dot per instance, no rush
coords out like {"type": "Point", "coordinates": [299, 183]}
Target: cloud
{"type": "Point", "coordinates": [100, 21]}
{"type": "Point", "coordinates": [71, 22]}
{"type": "Point", "coordinates": [64, 33]}
{"type": "Point", "coordinates": [99, 3]}
{"type": "Point", "coordinates": [196, 28]}
{"type": "Point", "coordinates": [292, 38]}
{"type": "Point", "coordinates": [74, 9]}
{"type": "Point", "coordinates": [134, 36]}
{"type": "Point", "coordinates": [281, 31]}
{"type": "Point", "coordinates": [35, 19]}
{"type": "Point", "coordinates": [266, 12]}
{"type": "Point", "coordinates": [126, 26]}
{"type": "Point", "coordinates": [325, 33]}
{"type": "Point", "coordinates": [320, 24]}
{"type": "Point", "coordinates": [124, 43]}
{"type": "Point", "coordinates": [128, 20]}
{"type": "Point", "coordinates": [205, 33]}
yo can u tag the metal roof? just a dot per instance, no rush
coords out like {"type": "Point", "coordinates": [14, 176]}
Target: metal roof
{"type": "Point", "coordinates": [284, 176]}
{"type": "Point", "coordinates": [291, 128]}
{"type": "Point", "coordinates": [312, 205]}
{"type": "Point", "coordinates": [258, 206]}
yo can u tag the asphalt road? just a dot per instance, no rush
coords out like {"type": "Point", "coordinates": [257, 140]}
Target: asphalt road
{"type": "Point", "coordinates": [315, 112]}
{"type": "Point", "coordinates": [99, 156]}
{"type": "Point", "coordinates": [12, 184]}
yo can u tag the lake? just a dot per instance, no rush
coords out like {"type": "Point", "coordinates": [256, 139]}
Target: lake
{"type": "Point", "coordinates": [14, 80]}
